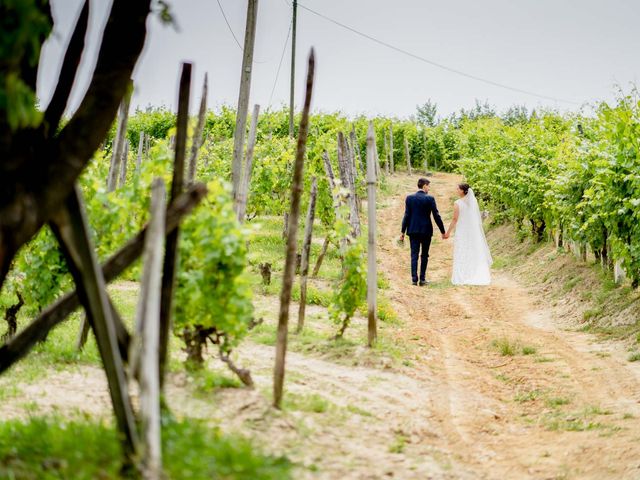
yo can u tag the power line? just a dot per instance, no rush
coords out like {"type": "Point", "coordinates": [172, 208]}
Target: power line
{"type": "Point", "coordinates": [284, 49]}
{"type": "Point", "coordinates": [226, 20]}
{"type": "Point", "coordinates": [229, 26]}
{"type": "Point", "coordinates": [435, 64]}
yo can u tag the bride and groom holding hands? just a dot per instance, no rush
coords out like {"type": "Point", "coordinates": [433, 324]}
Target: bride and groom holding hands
{"type": "Point", "coordinates": [471, 256]}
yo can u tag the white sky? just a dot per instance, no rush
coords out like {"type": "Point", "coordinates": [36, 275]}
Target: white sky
{"type": "Point", "coordinates": [577, 50]}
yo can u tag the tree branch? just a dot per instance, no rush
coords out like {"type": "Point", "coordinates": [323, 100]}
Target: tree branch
{"type": "Point", "coordinates": [70, 64]}
{"type": "Point", "coordinates": [44, 172]}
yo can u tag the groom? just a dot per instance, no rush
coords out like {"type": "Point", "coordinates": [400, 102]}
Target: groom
{"type": "Point", "coordinates": [417, 224]}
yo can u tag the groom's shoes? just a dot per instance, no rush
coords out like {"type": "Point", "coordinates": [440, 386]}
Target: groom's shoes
{"type": "Point", "coordinates": [423, 283]}
{"type": "Point", "coordinates": [414, 283]}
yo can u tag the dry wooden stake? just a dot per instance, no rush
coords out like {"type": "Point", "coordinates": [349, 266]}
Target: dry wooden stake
{"type": "Point", "coordinates": [118, 145]}
{"type": "Point", "coordinates": [243, 99]}
{"type": "Point", "coordinates": [393, 166]}
{"type": "Point", "coordinates": [123, 165]}
{"type": "Point", "coordinates": [332, 186]}
{"type": "Point", "coordinates": [306, 251]}
{"type": "Point", "coordinates": [71, 228]}
{"type": "Point", "coordinates": [289, 266]}
{"type": "Point", "coordinates": [140, 150]}
{"type": "Point", "coordinates": [246, 171]}
{"type": "Point", "coordinates": [356, 149]}
{"type": "Point", "coordinates": [148, 336]}
{"type": "Point", "coordinates": [147, 145]}
{"type": "Point", "coordinates": [424, 149]}
{"type": "Point", "coordinates": [346, 173]}
{"type": "Point", "coordinates": [171, 250]}
{"type": "Point", "coordinates": [407, 155]}
{"type": "Point", "coordinates": [198, 139]}
{"type": "Point", "coordinates": [372, 278]}
{"type": "Point", "coordinates": [386, 155]}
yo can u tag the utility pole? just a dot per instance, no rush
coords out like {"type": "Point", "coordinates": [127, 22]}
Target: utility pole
{"type": "Point", "coordinates": [293, 65]}
{"type": "Point", "coordinates": [243, 99]}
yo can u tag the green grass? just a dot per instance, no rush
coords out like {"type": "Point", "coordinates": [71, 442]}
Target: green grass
{"type": "Point", "coordinates": [386, 313]}
{"type": "Point", "coordinates": [207, 381]}
{"type": "Point", "coordinates": [9, 391]}
{"type": "Point", "coordinates": [82, 449]}
{"type": "Point", "coordinates": [529, 396]}
{"type": "Point", "coordinates": [571, 284]}
{"type": "Point", "coordinates": [592, 313]}
{"type": "Point", "coordinates": [500, 263]}
{"type": "Point", "coordinates": [310, 403]}
{"type": "Point", "coordinates": [580, 421]}
{"type": "Point", "coordinates": [399, 444]}
{"type": "Point", "coordinates": [634, 357]}
{"type": "Point", "coordinates": [554, 402]}
{"type": "Point", "coordinates": [359, 411]}
{"type": "Point", "coordinates": [315, 296]}
{"type": "Point", "coordinates": [506, 347]}
{"type": "Point", "coordinates": [510, 348]}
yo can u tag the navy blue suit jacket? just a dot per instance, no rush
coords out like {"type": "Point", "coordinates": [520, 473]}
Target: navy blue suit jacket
{"type": "Point", "coordinates": [417, 214]}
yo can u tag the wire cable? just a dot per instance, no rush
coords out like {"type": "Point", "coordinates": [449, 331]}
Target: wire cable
{"type": "Point", "coordinates": [226, 20]}
{"type": "Point", "coordinates": [284, 49]}
{"type": "Point", "coordinates": [436, 64]}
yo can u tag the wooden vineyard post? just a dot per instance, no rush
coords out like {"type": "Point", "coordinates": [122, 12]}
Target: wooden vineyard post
{"type": "Point", "coordinates": [140, 152]}
{"type": "Point", "coordinates": [306, 251]}
{"type": "Point", "coordinates": [171, 250]}
{"type": "Point", "coordinates": [346, 172]}
{"type": "Point", "coordinates": [332, 186]}
{"type": "Point", "coordinates": [330, 175]}
{"type": "Point", "coordinates": [198, 139]}
{"type": "Point", "coordinates": [243, 99]}
{"type": "Point", "coordinates": [148, 335]}
{"type": "Point", "coordinates": [147, 145]}
{"type": "Point", "coordinates": [71, 229]}
{"type": "Point", "coordinates": [123, 164]}
{"type": "Point", "coordinates": [243, 195]}
{"type": "Point", "coordinates": [391, 162]}
{"type": "Point", "coordinates": [387, 169]}
{"type": "Point", "coordinates": [118, 144]}
{"type": "Point", "coordinates": [425, 160]}
{"type": "Point", "coordinates": [353, 167]}
{"type": "Point", "coordinates": [372, 278]}
{"type": "Point", "coordinates": [619, 273]}
{"type": "Point", "coordinates": [289, 266]}
{"type": "Point", "coordinates": [407, 155]}
{"type": "Point", "coordinates": [356, 149]}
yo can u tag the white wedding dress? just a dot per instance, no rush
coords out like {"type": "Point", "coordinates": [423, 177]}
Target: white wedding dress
{"type": "Point", "coordinates": [471, 256]}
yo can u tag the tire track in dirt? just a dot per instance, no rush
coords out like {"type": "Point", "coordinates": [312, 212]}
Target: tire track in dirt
{"type": "Point", "coordinates": [511, 416]}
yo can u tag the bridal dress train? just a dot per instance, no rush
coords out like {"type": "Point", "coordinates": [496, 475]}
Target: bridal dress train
{"type": "Point", "coordinates": [471, 256]}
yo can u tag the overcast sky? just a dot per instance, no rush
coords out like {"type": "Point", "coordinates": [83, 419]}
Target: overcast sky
{"type": "Point", "coordinates": [576, 50]}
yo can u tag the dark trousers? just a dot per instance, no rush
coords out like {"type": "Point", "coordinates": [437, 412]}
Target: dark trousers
{"type": "Point", "coordinates": [419, 241]}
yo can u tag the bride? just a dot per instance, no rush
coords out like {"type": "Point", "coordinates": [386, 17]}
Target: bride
{"type": "Point", "coordinates": [471, 256]}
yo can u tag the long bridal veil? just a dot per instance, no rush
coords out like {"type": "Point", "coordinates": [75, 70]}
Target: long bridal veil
{"type": "Point", "coordinates": [474, 229]}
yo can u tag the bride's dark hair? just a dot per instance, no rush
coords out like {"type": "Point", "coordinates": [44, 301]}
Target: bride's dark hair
{"type": "Point", "coordinates": [464, 187]}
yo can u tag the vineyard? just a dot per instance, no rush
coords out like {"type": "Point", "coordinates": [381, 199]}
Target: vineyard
{"type": "Point", "coordinates": [220, 293]}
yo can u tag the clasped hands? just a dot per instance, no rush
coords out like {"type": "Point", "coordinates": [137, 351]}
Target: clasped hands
{"type": "Point", "coordinates": [445, 236]}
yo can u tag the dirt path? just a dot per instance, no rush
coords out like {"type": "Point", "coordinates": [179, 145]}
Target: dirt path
{"type": "Point", "coordinates": [567, 409]}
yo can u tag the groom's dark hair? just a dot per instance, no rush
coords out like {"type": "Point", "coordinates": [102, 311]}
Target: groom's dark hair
{"type": "Point", "coordinates": [422, 182]}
